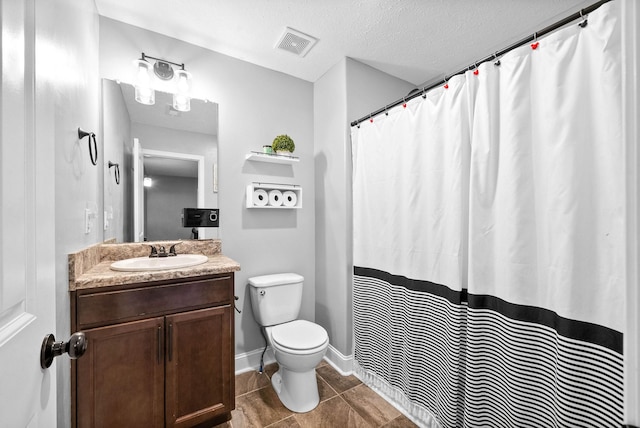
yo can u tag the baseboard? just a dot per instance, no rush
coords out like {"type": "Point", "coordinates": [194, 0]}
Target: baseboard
{"type": "Point", "coordinates": [251, 360]}
{"type": "Point", "coordinates": [248, 361]}
{"type": "Point", "coordinates": [342, 363]}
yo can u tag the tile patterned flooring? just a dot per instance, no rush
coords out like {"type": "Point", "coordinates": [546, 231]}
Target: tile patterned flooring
{"type": "Point", "coordinates": [345, 402]}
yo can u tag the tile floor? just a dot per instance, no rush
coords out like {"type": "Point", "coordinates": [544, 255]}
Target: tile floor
{"type": "Point", "coordinates": [345, 402]}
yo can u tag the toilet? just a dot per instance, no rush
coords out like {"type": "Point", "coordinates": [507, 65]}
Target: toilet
{"type": "Point", "coordinates": [298, 345]}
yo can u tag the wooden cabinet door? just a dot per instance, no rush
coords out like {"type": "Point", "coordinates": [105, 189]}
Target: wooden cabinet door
{"type": "Point", "coordinates": [199, 366]}
{"type": "Point", "coordinates": [120, 380]}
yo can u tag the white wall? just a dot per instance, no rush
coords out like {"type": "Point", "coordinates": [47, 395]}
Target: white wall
{"type": "Point", "coordinates": [347, 92]}
{"type": "Point", "coordinates": [67, 94]}
{"type": "Point", "coordinates": [255, 105]}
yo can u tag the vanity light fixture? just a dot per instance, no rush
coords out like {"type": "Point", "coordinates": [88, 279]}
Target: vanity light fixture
{"type": "Point", "coordinates": [144, 92]}
{"type": "Point", "coordinates": [182, 98]}
{"type": "Point", "coordinates": [147, 182]}
{"type": "Point", "coordinates": [163, 70]}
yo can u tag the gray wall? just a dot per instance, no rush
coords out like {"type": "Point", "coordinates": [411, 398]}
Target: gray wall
{"type": "Point", "coordinates": [116, 144]}
{"type": "Point", "coordinates": [164, 202]}
{"type": "Point", "coordinates": [67, 90]}
{"type": "Point", "coordinates": [345, 93]}
{"type": "Point", "coordinates": [255, 105]}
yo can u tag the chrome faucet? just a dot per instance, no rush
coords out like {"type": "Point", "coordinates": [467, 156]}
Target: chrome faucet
{"type": "Point", "coordinates": [162, 252]}
{"type": "Point", "coordinates": [172, 249]}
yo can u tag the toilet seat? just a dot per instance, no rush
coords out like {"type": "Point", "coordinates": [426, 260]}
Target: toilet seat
{"type": "Point", "coordinates": [299, 336]}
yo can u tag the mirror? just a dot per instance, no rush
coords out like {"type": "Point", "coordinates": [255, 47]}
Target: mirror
{"type": "Point", "coordinates": [176, 151]}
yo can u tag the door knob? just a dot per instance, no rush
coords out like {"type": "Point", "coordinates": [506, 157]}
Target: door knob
{"type": "Point", "coordinates": [75, 347]}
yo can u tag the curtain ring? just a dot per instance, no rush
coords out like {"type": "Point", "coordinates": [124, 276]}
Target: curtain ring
{"type": "Point", "coordinates": [584, 18]}
{"type": "Point", "coordinates": [535, 43]}
{"type": "Point", "coordinates": [497, 61]}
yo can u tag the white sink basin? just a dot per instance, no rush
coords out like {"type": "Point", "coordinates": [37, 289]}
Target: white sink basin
{"type": "Point", "coordinates": [139, 264]}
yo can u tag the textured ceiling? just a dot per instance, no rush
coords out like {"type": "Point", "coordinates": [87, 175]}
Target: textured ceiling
{"type": "Point", "coordinates": [415, 40]}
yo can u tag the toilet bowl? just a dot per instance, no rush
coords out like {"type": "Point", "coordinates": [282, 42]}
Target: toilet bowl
{"type": "Point", "coordinates": [298, 345]}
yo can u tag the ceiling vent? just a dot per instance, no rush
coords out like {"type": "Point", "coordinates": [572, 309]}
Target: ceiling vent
{"type": "Point", "coordinates": [296, 42]}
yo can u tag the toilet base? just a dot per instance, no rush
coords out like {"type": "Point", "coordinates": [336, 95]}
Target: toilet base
{"type": "Point", "coordinates": [297, 391]}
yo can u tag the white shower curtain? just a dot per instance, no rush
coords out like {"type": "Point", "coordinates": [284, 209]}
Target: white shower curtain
{"type": "Point", "coordinates": [509, 182]}
{"type": "Point", "coordinates": [546, 233]}
{"type": "Point", "coordinates": [409, 254]}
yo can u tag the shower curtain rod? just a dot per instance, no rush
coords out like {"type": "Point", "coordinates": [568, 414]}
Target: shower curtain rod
{"type": "Point", "coordinates": [580, 14]}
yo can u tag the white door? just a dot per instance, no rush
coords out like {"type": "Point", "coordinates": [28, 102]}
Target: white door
{"type": "Point", "coordinates": [27, 247]}
{"type": "Point", "coordinates": [138, 192]}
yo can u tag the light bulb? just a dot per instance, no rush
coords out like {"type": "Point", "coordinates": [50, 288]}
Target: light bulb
{"type": "Point", "coordinates": [182, 97]}
{"type": "Point", "coordinates": [144, 92]}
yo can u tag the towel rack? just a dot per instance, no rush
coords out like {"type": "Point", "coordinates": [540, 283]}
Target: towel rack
{"type": "Point", "coordinates": [93, 150]}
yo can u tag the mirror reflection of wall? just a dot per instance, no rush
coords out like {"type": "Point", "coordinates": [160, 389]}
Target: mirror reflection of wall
{"type": "Point", "coordinates": [160, 130]}
{"type": "Point", "coordinates": [172, 186]}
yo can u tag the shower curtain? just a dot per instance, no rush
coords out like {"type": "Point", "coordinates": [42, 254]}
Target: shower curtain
{"type": "Point", "coordinates": [409, 252]}
{"type": "Point", "coordinates": [489, 240]}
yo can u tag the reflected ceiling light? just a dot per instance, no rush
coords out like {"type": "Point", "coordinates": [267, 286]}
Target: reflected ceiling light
{"type": "Point", "coordinates": [163, 70]}
{"type": "Point", "coordinates": [144, 92]}
{"type": "Point", "coordinates": [147, 182]}
{"type": "Point", "coordinates": [182, 97]}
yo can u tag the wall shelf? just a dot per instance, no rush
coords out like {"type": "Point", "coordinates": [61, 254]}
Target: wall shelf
{"type": "Point", "coordinates": [271, 158]}
{"type": "Point", "coordinates": [284, 196]}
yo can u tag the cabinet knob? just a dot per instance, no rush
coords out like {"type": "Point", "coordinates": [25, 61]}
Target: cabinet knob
{"type": "Point", "coordinates": [75, 347]}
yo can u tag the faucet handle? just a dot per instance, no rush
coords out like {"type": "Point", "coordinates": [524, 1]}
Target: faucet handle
{"type": "Point", "coordinates": [172, 249]}
{"type": "Point", "coordinates": [154, 251]}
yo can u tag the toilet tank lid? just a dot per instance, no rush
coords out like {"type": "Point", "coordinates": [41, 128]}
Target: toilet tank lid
{"type": "Point", "coordinates": [275, 279]}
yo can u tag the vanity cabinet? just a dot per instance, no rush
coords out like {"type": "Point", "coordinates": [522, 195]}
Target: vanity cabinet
{"type": "Point", "coordinates": [159, 354]}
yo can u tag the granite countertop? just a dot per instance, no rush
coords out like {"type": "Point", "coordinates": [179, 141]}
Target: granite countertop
{"type": "Point", "coordinates": [90, 268]}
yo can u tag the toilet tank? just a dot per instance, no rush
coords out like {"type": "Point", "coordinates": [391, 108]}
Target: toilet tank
{"type": "Point", "coordinates": [276, 299]}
